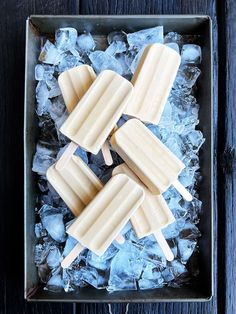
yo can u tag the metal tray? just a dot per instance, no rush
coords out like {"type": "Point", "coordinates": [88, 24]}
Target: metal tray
{"type": "Point", "coordinates": [200, 289]}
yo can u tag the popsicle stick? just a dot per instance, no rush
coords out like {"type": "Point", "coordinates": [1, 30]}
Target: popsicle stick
{"type": "Point", "coordinates": [72, 255]}
{"type": "Point", "coordinates": [164, 245]}
{"type": "Point", "coordinates": [66, 156]}
{"type": "Point", "coordinates": [107, 154]}
{"type": "Point", "coordinates": [120, 239]}
{"type": "Point", "coordinates": [181, 189]}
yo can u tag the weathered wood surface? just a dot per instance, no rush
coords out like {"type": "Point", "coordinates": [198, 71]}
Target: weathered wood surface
{"type": "Point", "coordinates": [12, 31]}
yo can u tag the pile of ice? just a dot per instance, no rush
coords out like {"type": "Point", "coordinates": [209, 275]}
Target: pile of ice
{"type": "Point", "coordinates": [138, 264]}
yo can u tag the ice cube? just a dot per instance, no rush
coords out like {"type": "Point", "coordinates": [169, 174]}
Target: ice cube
{"type": "Point", "coordinates": [82, 154]}
{"type": "Point", "coordinates": [116, 36]}
{"type": "Point", "coordinates": [43, 72]}
{"type": "Point", "coordinates": [55, 283]}
{"type": "Point", "coordinates": [98, 159]}
{"type": "Point", "coordinates": [173, 37]}
{"type": "Point", "coordinates": [54, 257]}
{"type": "Point", "coordinates": [54, 89]}
{"type": "Point", "coordinates": [116, 47]}
{"type": "Point", "coordinates": [191, 53]}
{"type": "Point", "coordinates": [173, 46]}
{"type": "Point", "coordinates": [151, 278]}
{"type": "Point", "coordinates": [53, 222]}
{"type": "Point", "coordinates": [126, 268]}
{"type": "Point", "coordinates": [103, 61]}
{"type": "Point", "coordinates": [39, 230]}
{"type": "Point", "coordinates": [69, 61]}
{"type": "Point", "coordinates": [136, 59]}
{"type": "Point", "coordinates": [186, 248]}
{"type": "Point", "coordinates": [42, 95]}
{"type": "Point", "coordinates": [40, 253]}
{"type": "Point", "coordinates": [145, 37]}
{"type": "Point", "coordinates": [42, 160]}
{"type": "Point", "coordinates": [70, 243]}
{"type": "Point", "coordinates": [97, 279]}
{"type": "Point", "coordinates": [195, 140]}
{"type": "Point", "coordinates": [65, 38]}
{"type": "Point", "coordinates": [97, 262]}
{"type": "Point", "coordinates": [50, 54]}
{"type": "Point", "coordinates": [85, 42]}
{"type": "Point", "coordinates": [186, 76]}
{"type": "Point", "coordinates": [121, 58]}
{"type": "Point", "coordinates": [42, 183]}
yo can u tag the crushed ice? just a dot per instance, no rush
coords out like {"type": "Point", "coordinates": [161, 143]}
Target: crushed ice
{"type": "Point", "coordinates": [138, 264]}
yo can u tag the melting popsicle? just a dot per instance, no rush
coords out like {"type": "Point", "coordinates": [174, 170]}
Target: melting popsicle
{"type": "Point", "coordinates": [152, 215]}
{"type": "Point", "coordinates": [93, 119]}
{"type": "Point", "coordinates": [155, 165]}
{"type": "Point", "coordinates": [153, 80]}
{"type": "Point", "coordinates": [74, 83]}
{"type": "Point", "coordinates": [105, 216]}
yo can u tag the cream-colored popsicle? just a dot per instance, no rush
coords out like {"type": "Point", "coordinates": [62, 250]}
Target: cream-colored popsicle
{"type": "Point", "coordinates": [74, 83]}
{"type": "Point", "coordinates": [105, 216]}
{"type": "Point", "coordinates": [92, 120]}
{"type": "Point", "coordinates": [75, 182]}
{"type": "Point", "coordinates": [153, 80]}
{"type": "Point", "coordinates": [152, 215]}
{"type": "Point", "coordinates": [155, 165]}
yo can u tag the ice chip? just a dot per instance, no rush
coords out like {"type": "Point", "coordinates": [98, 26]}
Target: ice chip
{"type": "Point", "coordinates": [42, 95]}
{"type": "Point", "coordinates": [55, 283]}
{"type": "Point", "coordinates": [97, 262]}
{"type": "Point", "coordinates": [116, 47]}
{"type": "Point", "coordinates": [126, 268]}
{"type": "Point", "coordinates": [103, 61]}
{"type": "Point", "coordinates": [82, 154]}
{"type": "Point", "coordinates": [173, 46]}
{"type": "Point", "coordinates": [186, 248]}
{"type": "Point", "coordinates": [65, 38]}
{"type": "Point", "coordinates": [42, 160]}
{"type": "Point", "coordinates": [173, 37]}
{"type": "Point", "coordinates": [70, 243]}
{"type": "Point", "coordinates": [68, 62]}
{"type": "Point", "coordinates": [54, 257]}
{"type": "Point", "coordinates": [151, 278]}
{"type": "Point", "coordinates": [39, 230]}
{"type": "Point", "coordinates": [43, 72]}
{"type": "Point", "coordinates": [49, 54]}
{"type": "Point", "coordinates": [94, 277]}
{"type": "Point", "coordinates": [85, 42]}
{"type": "Point", "coordinates": [186, 76]}
{"type": "Point", "coordinates": [53, 223]}
{"type": "Point", "coordinates": [191, 53]}
{"type": "Point", "coordinates": [136, 59]}
{"type": "Point", "coordinates": [54, 89]}
{"type": "Point", "coordinates": [116, 36]}
{"type": "Point", "coordinates": [145, 36]}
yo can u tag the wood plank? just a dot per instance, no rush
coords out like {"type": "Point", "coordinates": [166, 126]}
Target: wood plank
{"type": "Point", "coordinates": [12, 26]}
{"type": "Point", "coordinates": [227, 147]}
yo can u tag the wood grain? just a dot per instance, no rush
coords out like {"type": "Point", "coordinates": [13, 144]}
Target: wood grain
{"type": "Point", "coordinates": [227, 152]}
{"type": "Point", "coordinates": [13, 14]}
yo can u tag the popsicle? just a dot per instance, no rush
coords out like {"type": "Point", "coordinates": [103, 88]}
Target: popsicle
{"type": "Point", "coordinates": [153, 80]}
{"type": "Point", "coordinates": [152, 215]}
{"type": "Point", "coordinates": [75, 182]}
{"type": "Point", "coordinates": [105, 216]}
{"type": "Point", "coordinates": [155, 165]}
{"type": "Point", "coordinates": [92, 120]}
{"type": "Point", "coordinates": [74, 83]}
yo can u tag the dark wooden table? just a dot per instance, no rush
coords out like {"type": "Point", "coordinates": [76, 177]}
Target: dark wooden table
{"type": "Point", "coordinates": [13, 14]}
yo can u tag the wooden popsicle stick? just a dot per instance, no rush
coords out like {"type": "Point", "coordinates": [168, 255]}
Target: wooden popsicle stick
{"type": "Point", "coordinates": [164, 245]}
{"type": "Point", "coordinates": [72, 255]}
{"type": "Point", "coordinates": [120, 239]}
{"type": "Point", "coordinates": [60, 164]}
{"type": "Point", "coordinates": [181, 189]}
{"type": "Point", "coordinates": [107, 154]}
